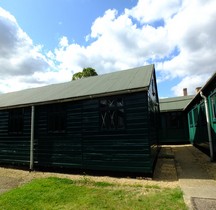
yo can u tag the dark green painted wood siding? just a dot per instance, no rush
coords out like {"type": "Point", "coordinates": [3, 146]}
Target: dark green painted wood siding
{"type": "Point", "coordinates": [212, 110]}
{"type": "Point", "coordinates": [125, 150]}
{"type": "Point", "coordinates": [15, 148]}
{"type": "Point", "coordinates": [173, 128]}
{"type": "Point", "coordinates": [83, 144]}
{"type": "Point", "coordinates": [197, 122]}
{"type": "Point", "coordinates": [153, 119]}
{"type": "Point", "coordinates": [59, 149]}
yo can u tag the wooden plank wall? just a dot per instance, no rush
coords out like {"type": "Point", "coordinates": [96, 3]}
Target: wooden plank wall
{"type": "Point", "coordinates": [59, 149]}
{"type": "Point", "coordinates": [197, 124]}
{"type": "Point", "coordinates": [14, 149]}
{"type": "Point", "coordinates": [84, 145]}
{"type": "Point", "coordinates": [153, 129]}
{"type": "Point", "coordinates": [126, 150]}
{"type": "Point", "coordinates": [173, 135]}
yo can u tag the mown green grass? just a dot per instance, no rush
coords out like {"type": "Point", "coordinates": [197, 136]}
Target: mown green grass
{"type": "Point", "coordinates": [84, 194]}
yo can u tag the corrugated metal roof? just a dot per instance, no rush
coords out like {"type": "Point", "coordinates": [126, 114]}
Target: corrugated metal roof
{"type": "Point", "coordinates": [175, 103]}
{"type": "Point", "coordinates": [132, 79]}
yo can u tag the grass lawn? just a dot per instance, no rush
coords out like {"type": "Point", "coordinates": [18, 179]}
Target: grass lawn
{"type": "Point", "coordinates": [56, 193]}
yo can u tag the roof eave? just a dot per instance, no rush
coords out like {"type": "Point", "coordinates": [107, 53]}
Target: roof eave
{"type": "Point", "coordinates": [171, 110]}
{"type": "Point", "coordinates": [107, 94]}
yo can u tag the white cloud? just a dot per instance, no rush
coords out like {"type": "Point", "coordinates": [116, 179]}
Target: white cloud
{"type": "Point", "coordinates": [192, 29]}
{"type": "Point", "coordinates": [150, 10]}
{"type": "Point", "coordinates": [20, 59]}
{"type": "Point", "coordinates": [182, 46]}
{"type": "Point", "coordinates": [185, 46]}
{"type": "Point", "coordinates": [63, 42]}
{"type": "Point", "coordinates": [116, 43]}
{"type": "Point", "coordinates": [194, 81]}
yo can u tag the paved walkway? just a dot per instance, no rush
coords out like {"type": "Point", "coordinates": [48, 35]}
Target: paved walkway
{"type": "Point", "coordinates": [196, 182]}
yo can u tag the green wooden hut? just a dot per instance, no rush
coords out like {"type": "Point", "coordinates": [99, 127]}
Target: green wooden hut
{"type": "Point", "coordinates": [174, 126]}
{"type": "Point", "coordinates": [201, 112]}
{"type": "Point", "coordinates": [106, 122]}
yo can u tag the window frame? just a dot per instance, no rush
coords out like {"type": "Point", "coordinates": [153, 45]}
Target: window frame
{"type": "Point", "coordinates": [112, 114]}
{"type": "Point", "coordinates": [178, 118]}
{"type": "Point", "coordinates": [56, 118]}
{"type": "Point", "coordinates": [16, 121]}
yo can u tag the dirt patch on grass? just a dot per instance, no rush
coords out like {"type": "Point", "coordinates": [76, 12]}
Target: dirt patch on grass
{"type": "Point", "coordinates": [11, 178]}
{"type": "Point", "coordinates": [165, 174]}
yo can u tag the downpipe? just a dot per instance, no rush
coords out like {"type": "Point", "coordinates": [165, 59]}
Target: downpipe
{"type": "Point", "coordinates": [208, 125]}
{"type": "Point", "coordinates": [32, 140]}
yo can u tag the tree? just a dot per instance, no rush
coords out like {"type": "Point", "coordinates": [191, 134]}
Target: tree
{"type": "Point", "coordinates": [86, 72]}
{"type": "Point", "coordinates": [78, 75]}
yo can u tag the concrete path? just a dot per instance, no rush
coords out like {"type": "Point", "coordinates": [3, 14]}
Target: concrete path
{"type": "Point", "coordinates": [196, 182]}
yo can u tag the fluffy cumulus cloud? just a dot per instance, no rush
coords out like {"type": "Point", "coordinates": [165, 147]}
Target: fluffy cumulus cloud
{"type": "Point", "coordinates": [148, 11]}
{"type": "Point", "coordinates": [20, 60]}
{"type": "Point", "coordinates": [192, 30]}
{"type": "Point", "coordinates": [115, 43]}
{"type": "Point", "coordinates": [177, 35]}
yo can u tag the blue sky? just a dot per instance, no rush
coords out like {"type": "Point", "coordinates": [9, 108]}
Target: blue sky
{"type": "Point", "coordinates": [46, 41]}
{"type": "Point", "coordinates": [47, 21]}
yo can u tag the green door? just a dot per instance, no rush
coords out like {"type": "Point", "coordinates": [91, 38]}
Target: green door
{"type": "Point", "coordinates": [191, 126]}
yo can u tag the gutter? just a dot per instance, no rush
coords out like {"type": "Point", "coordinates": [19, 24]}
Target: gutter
{"type": "Point", "coordinates": [32, 140]}
{"type": "Point", "coordinates": [208, 125]}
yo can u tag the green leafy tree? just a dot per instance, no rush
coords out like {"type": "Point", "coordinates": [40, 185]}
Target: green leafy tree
{"type": "Point", "coordinates": [86, 72]}
{"type": "Point", "coordinates": [78, 75]}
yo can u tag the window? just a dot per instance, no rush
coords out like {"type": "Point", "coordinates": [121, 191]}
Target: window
{"type": "Point", "coordinates": [112, 114]}
{"type": "Point", "coordinates": [56, 118]}
{"type": "Point", "coordinates": [174, 120]}
{"type": "Point", "coordinates": [213, 103]}
{"type": "Point", "coordinates": [15, 124]}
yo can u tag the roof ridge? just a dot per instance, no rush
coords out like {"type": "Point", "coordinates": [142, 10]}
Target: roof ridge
{"type": "Point", "coordinates": [135, 79]}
